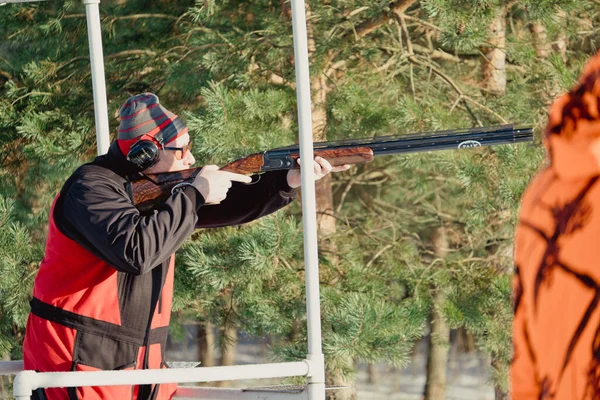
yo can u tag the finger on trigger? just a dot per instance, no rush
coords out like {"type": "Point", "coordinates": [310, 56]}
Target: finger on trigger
{"type": "Point", "coordinates": [340, 168]}
{"type": "Point", "coordinates": [232, 176]}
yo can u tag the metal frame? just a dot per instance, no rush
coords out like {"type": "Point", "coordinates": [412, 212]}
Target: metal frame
{"type": "Point", "coordinates": [27, 381]}
{"type": "Point", "coordinates": [92, 12]}
{"type": "Point", "coordinates": [314, 366]}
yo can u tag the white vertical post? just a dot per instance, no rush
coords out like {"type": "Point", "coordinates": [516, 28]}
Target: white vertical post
{"type": "Point", "coordinates": [98, 83]}
{"type": "Point", "coordinates": [316, 382]}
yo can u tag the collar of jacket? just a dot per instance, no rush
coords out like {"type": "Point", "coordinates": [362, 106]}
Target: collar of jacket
{"type": "Point", "coordinates": [116, 162]}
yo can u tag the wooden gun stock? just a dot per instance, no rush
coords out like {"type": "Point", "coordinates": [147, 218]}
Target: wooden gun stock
{"type": "Point", "coordinates": [147, 190]}
{"type": "Point", "coordinates": [256, 162]}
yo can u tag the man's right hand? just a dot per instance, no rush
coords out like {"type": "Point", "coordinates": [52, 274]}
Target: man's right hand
{"type": "Point", "coordinates": [214, 184]}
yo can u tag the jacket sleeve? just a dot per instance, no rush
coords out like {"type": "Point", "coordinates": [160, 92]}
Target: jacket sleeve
{"type": "Point", "coordinates": [98, 214]}
{"type": "Point", "coordinates": [247, 202]}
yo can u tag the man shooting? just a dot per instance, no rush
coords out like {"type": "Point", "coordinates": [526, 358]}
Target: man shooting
{"type": "Point", "coordinates": [102, 296]}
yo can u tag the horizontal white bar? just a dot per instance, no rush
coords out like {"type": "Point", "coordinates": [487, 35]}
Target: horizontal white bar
{"type": "Point", "coordinates": [33, 380]}
{"type": "Point", "coordinates": [11, 367]}
{"type": "Point", "coordinates": [206, 393]}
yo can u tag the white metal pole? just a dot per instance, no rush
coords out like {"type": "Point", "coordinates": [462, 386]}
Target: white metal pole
{"type": "Point", "coordinates": [11, 367]}
{"type": "Point", "coordinates": [98, 83]}
{"type": "Point", "coordinates": [316, 381]}
{"type": "Point", "coordinates": [27, 381]}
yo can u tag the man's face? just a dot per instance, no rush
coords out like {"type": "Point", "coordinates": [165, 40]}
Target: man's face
{"type": "Point", "coordinates": [169, 159]}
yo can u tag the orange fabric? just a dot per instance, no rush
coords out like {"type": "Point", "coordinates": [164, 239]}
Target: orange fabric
{"type": "Point", "coordinates": [73, 279]}
{"type": "Point", "coordinates": [556, 285]}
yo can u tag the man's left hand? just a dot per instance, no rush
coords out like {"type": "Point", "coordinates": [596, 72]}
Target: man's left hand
{"type": "Point", "coordinates": [322, 168]}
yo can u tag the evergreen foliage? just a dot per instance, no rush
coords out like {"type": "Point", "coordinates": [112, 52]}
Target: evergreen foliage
{"type": "Point", "coordinates": [228, 68]}
{"type": "Point", "coordinates": [19, 257]}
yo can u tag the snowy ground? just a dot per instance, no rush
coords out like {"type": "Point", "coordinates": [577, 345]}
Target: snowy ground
{"type": "Point", "coordinates": [468, 375]}
{"type": "Point", "coordinates": [467, 383]}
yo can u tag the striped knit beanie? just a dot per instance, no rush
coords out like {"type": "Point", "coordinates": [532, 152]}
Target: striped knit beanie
{"type": "Point", "coordinates": [142, 116]}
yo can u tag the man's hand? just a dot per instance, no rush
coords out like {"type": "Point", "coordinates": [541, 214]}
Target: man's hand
{"type": "Point", "coordinates": [322, 168]}
{"type": "Point", "coordinates": [214, 184]}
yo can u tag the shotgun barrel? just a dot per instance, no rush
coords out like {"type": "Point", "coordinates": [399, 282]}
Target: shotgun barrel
{"type": "Point", "coordinates": [284, 157]}
{"type": "Point", "coordinates": [149, 189]}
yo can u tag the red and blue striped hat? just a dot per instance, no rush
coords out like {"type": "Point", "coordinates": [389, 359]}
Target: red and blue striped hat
{"type": "Point", "coordinates": [142, 116]}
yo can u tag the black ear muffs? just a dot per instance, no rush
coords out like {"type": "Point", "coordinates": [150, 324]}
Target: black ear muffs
{"type": "Point", "coordinates": [145, 152]}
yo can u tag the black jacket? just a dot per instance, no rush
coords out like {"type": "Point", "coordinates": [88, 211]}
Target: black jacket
{"type": "Point", "coordinates": [95, 210]}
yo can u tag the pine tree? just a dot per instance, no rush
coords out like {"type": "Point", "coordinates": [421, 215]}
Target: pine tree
{"type": "Point", "coordinates": [19, 257]}
{"type": "Point", "coordinates": [378, 68]}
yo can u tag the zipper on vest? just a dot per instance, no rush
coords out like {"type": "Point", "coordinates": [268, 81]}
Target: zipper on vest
{"type": "Point", "coordinates": [162, 285]}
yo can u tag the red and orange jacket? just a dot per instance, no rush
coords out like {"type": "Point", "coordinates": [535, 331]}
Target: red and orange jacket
{"type": "Point", "coordinates": [556, 285]}
{"type": "Point", "coordinates": [102, 296]}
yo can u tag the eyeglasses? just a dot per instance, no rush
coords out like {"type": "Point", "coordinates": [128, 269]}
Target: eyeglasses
{"type": "Point", "coordinates": [180, 152]}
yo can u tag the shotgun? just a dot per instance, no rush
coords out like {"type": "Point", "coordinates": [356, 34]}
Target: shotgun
{"type": "Point", "coordinates": [149, 189]}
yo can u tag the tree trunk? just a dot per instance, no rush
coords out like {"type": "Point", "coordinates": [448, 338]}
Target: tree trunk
{"type": "Point", "coordinates": [206, 348]}
{"type": "Point", "coordinates": [325, 219]}
{"type": "Point", "coordinates": [493, 63]}
{"type": "Point", "coordinates": [540, 39]}
{"type": "Point", "coordinates": [499, 392]}
{"type": "Point", "coordinates": [470, 347]}
{"type": "Point", "coordinates": [337, 379]}
{"type": "Point", "coordinates": [373, 374]}
{"type": "Point", "coordinates": [206, 342]}
{"type": "Point", "coordinates": [560, 45]}
{"type": "Point", "coordinates": [437, 358]}
{"type": "Point", "coordinates": [228, 349]}
{"type": "Point", "coordinates": [5, 381]}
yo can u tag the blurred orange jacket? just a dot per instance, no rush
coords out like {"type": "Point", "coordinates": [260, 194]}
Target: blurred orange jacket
{"type": "Point", "coordinates": [556, 285]}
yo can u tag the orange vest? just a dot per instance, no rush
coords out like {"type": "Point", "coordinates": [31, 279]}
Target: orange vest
{"type": "Point", "coordinates": [88, 316]}
{"type": "Point", "coordinates": [556, 286]}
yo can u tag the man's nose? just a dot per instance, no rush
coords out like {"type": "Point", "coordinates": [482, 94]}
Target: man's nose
{"type": "Point", "coordinates": [190, 160]}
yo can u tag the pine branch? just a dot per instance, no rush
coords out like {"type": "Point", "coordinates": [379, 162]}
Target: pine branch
{"type": "Point", "coordinates": [4, 60]}
{"type": "Point", "coordinates": [140, 16]}
{"type": "Point", "coordinates": [107, 57]}
{"type": "Point", "coordinates": [437, 54]}
{"type": "Point", "coordinates": [504, 121]}
{"type": "Point", "coordinates": [34, 93]}
{"type": "Point", "coordinates": [344, 194]}
{"type": "Point", "coordinates": [208, 30]}
{"type": "Point", "coordinates": [420, 21]}
{"type": "Point", "coordinates": [408, 39]}
{"type": "Point", "coordinates": [377, 255]}
{"type": "Point", "coordinates": [279, 80]}
{"type": "Point", "coordinates": [440, 54]}
{"type": "Point", "coordinates": [357, 11]}
{"type": "Point", "coordinates": [451, 83]}
{"type": "Point", "coordinates": [366, 27]}
{"type": "Point", "coordinates": [125, 53]}
{"type": "Point", "coordinates": [335, 67]}
{"type": "Point", "coordinates": [72, 61]}
{"type": "Point", "coordinates": [410, 52]}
